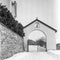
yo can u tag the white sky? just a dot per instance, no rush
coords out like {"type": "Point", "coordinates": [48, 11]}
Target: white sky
{"type": "Point", "coordinates": [35, 35]}
{"type": "Point", "coordinates": [28, 10]}
{"type": "Point", "coordinates": [58, 20]}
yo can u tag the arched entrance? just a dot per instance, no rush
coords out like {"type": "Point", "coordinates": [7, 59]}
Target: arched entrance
{"type": "Point", "coordinates": [37, 40]}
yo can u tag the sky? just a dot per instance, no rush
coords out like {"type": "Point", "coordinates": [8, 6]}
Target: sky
{"type": "Point", "coordinates": [28, 10]}
{"type": "Point", "coordinates": [36, 35]}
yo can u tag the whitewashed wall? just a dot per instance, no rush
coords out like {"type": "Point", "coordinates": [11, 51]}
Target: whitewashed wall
{"type": "Point", "coordinates": [51, 40]}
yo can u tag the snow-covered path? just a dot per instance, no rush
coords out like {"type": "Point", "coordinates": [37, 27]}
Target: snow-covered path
{"type": "Point", "coordinates": [34, 56]}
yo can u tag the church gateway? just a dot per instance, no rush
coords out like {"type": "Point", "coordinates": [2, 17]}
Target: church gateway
{"type": "Point", "coordinates": [47, 34]}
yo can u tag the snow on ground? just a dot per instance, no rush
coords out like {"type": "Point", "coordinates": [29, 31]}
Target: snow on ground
{"type": "Point", "coordinates": [35, 56]}
{"type": "Point", "coordinates": [57, 52]}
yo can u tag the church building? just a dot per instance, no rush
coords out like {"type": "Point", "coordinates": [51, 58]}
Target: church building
{"type": "Point", "coordinates": [47, 31]}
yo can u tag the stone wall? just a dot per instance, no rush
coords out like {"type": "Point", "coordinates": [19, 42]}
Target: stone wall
{"type": "Point", "coordinates": [10, 42]}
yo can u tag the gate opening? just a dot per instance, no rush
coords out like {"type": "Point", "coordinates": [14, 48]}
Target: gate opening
{"type": "Point", "coordinates": [36, 41]}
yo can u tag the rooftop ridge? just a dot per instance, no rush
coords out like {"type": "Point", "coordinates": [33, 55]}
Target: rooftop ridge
{"type": "Point", "coordinates": [42, 23]}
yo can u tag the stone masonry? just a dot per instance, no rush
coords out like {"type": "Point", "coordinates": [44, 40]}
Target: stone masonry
{"type": "Point", "coordinates": [10, 42]}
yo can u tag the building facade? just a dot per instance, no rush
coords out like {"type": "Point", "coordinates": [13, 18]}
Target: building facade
{"type": "Point", "coordinates": [48, 31]}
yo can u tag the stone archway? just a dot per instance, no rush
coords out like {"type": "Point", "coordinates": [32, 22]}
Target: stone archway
{"type": "Point", "coordinates": [37, 40]}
